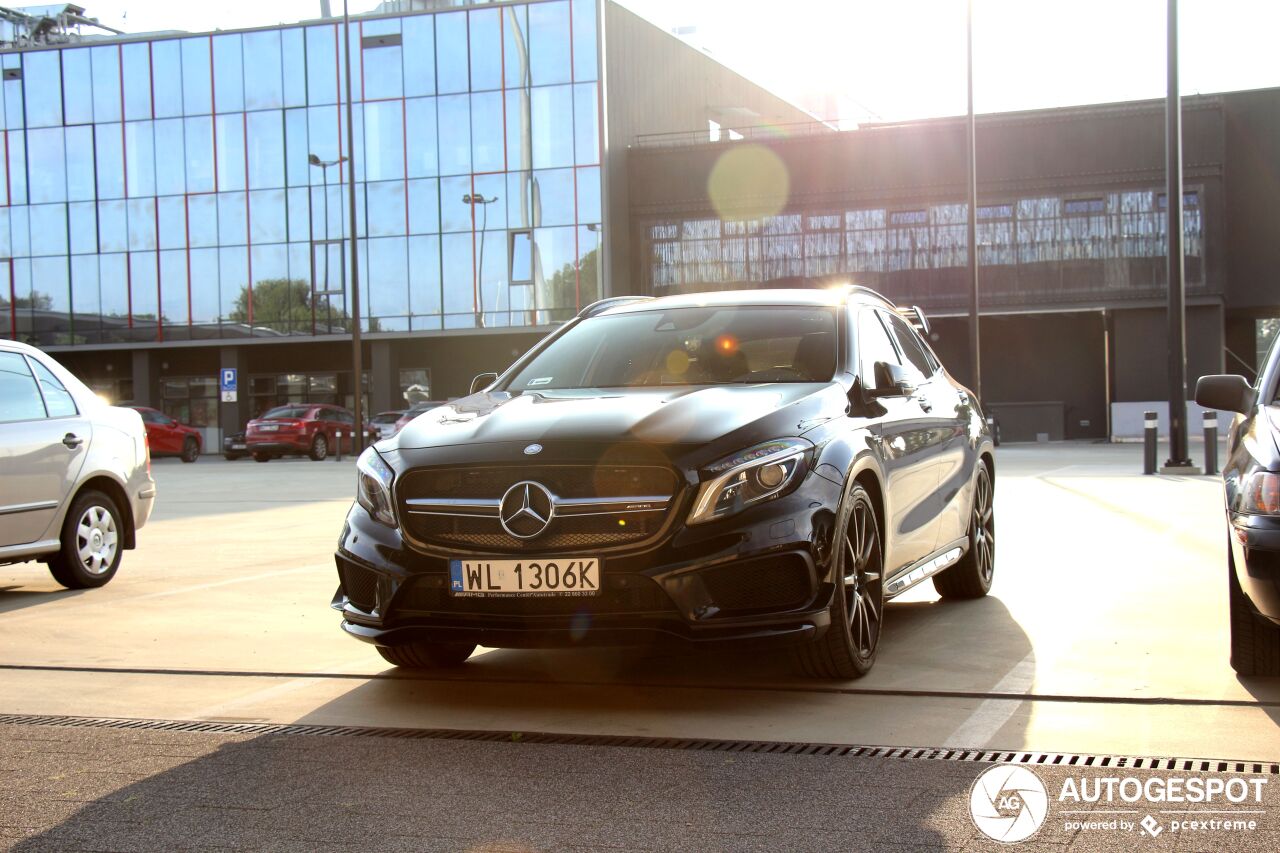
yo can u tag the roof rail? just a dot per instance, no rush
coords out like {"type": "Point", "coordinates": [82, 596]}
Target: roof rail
{"type": "Point", "coordinates": [602, 305]}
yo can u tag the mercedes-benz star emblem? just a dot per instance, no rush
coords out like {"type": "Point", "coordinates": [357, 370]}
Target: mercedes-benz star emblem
{"type": "Point", "coordinates": [526, 509]}
{"type": "Point", "coordinates": [532, 449]}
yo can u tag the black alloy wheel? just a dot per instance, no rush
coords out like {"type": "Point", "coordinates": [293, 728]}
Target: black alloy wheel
{"type": "Point", "coordinates": [190, 450]}
{"type": "Point", "coordinates": [848, 648]}
{"type": "Point", "coordinates": [971, 576]}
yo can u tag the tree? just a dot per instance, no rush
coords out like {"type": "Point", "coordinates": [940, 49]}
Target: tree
{"type": "Point", "coordinates": [285, 304]}
{"type": "Point", "coordinates": [572, 291]}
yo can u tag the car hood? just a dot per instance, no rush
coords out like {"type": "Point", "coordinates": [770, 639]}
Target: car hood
{"type": "Point", "coordinates": [666, 417]}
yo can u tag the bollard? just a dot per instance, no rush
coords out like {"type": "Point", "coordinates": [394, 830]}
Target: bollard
{"type": "Point", "coordinates": [338, 437]}
{"type": "Point", "coordinates": [1211, 442]}
{"type": "Point", "coordinates": [991, 428]}
{"type": "Point", "coordinates": [1151, 424]}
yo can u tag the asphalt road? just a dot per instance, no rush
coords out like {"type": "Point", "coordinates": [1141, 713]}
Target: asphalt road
{"type": "Point", "coordinates": [1105, 634]}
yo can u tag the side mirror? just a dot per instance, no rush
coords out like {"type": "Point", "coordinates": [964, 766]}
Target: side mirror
{"type": "Point", "coordinates": [891, 381]}
{"type": "Point", "coordinates": [482, 381]}
{"type": "Point", "coordinates": [1230, 392]}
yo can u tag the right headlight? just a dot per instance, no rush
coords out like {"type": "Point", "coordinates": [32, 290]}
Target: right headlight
{"type": "Point", "coordinates": [1260, 494]}
{"type": "Point", "coordinates": [749, 477]}
{"type": "Point", "coordinates": [373, 487]}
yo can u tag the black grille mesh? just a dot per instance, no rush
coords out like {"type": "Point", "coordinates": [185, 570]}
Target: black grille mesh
{"type": "Point", "coordinates": [359, 585]}
{"type": "Point", "coordinates": [566, 481]}
{"type": "Point", "coordinates": [777, 583]}
{"type": "Point", "coordinates": [571, 532]}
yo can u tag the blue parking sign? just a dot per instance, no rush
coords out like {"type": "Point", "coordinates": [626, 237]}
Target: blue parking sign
{"type": "Point", "coordinates": [228, 381]}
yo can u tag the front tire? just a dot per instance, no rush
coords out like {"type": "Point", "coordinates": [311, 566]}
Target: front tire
{"type": "Point", "coordinates": [848, 648]}
{"type": "Point", "coordinates": [427, 655]}
{"type": "Point", "coordinates": [190, 450]}
{"type": "Point", "coordinates": [1255, 642]}
{"type": "Point", "coordinates": [92, 542]}
{"type": "Point", "coordinates": [319, 448]}
{"type": "Point", "coordinates": [971, 576]}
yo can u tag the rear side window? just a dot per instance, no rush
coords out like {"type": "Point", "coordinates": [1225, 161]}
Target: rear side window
{"type": "Point", "coordinates": [910, 347]}
{"type": "Point", "coordinates": [19, 395]}
{"type": "Point", "coordinates": [57, 399]}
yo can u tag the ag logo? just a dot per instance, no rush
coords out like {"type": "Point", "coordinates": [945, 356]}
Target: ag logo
{"type": "Point", "coordinates": [1008, 803]}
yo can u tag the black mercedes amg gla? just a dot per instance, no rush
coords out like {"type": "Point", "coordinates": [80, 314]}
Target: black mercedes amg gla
{"type": "Point", "coordinates": [764, 466]}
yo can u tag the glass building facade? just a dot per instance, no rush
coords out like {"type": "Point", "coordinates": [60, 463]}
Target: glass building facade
{"type": "Point", "coordinates": [190, 187]}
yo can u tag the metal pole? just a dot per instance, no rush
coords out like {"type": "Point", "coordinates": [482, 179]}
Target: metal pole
{"type": "Point", "coordinates": [975, 359]}
{"type": "Point", "coordinates": [1150, 425]}
{"type": "Point", "coordinates": [356, 360]}
{"type": "Point", "coordinates": [1178, 457]}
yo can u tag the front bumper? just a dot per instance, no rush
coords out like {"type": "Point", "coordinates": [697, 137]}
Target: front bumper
{"type": "Point", "coordinates": [759, 578]}
{"type": "Point", "coordinates": [1255, 547]}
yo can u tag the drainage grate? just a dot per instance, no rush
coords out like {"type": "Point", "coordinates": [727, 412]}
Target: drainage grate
{"type": "Point", "coordinates": [1194, 765]}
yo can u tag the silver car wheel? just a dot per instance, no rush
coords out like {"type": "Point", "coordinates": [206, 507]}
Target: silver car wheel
{"type": "Point", "coordinates": [96, 540]}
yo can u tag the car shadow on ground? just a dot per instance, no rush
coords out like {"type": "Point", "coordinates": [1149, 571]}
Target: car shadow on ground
{"type": "Point", "coordinates": [17, 596]}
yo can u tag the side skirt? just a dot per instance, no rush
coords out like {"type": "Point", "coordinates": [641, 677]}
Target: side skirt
{"type": "Point", "coordinates": [943, 558]}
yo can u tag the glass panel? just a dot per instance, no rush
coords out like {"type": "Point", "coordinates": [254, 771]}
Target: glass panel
{"type": "Point", "coordinates": [276, 299]}
{"type": "Point", "coordinates": [266, 150]}
{"type": "Point", "coordinates": [384, 140]}
{"type": "Point", "coordinates": [549, 59]}
{"type": "Point", "coordinates": [47, 162]}
{"type": "Point", "coordinates": [42, 88]}
{"type": "Point", "coordinates": [144, 283]}
{"type": "Point", "coordinates": [322, 133]}
{"type": "Point", "coordinates": [77, 94]}
{"type": "Point", "coordinates": [267, 217]}
{"type": "Point", "coordinates": [552, 111]}
{"type": "Point", "coordinates": [424, 277]}
{"type": "Point", "coordinates": [486, 50]}
{"type": "Point", "coordinates": [137, 80]}
{"type": "Point", "coordinates": [451, 53]}
{"type": "Point", "coordinates": [263, 86]}
{"type": "Point", "coordinates": [173, 222]}
{"type": "Point", "coordinates": [419, 51]}
{"type": "Point", "coordinates": [228, 74]}
{"type": "Point", "coordinates": [142, 223]}
{"type": "Point", "coordinates": [586, 125]}
{"type": "Point", "coordinates": [202, 220]}
{"type": "Point", "coordinates": [198, 139]}
{"type": "Point", "coordinates": [322, 68]}
{"type": "Point", "coordinates": [383, 65]}
{"type": "Point", "coordinates": [421, 131]}
{"type": "Point", "coordinates": [171, 177]}
{"type": "Point", "coordinates": [197, 91]}
{"type": "Point", "coordinates": [295, 67]}
{"type": "Point", "coordinates": [140, 158]}
{"type": "Point", "coordinates": [591, 271]}
{"type": "Point", "coordinates": [114, 289]}
{"type": "Point", "coordinates": [518, 118]}
{"type": "Point", "coordinates": [521, 257]}
{"type": "Point", "coordinates": [455, 134]}
{"type": "Point", "coordinates": [492, 272]}
{"type": "Point", "coordinates": [233, 228]}
{"type": "Point", "coordinates": [84, 227]}
{"type": "Point", "coordinates": [424, 207]}
{"type": "Point", "coordinates": [85, 305]}
{"type": "Point", "coordinates": [20, 231]}
{"type": "Point", "coordinates": [459, 277]}
{"type": "Point", "coordinates": [166, 62]}
{"type": "Point", "coordinates": [456, 214]}
{"type": "Point", "coordinates": [113, 230]}
{"type": "Point", "coordinates": [585, 64]}
{"type": "Point", "coordinates": [6, 249]}
{"type": "Point", "coordinates": [492, 215]}
{"type": "Point", "coordinates": [296, 148]}
{"type": "Point", "coordinates": [17, 176]}
{"type": "Point", "coordinates": [109, 158]}
{"type": "Point", "coordinates": [388, 277]}
{"type": "Point", "coordinates": [520, 199]}
{"type": "Point", "coordinates": [233, 285]}
{"type": "Point", "coordinates": [555, 194]}
{"type": "Point", "coordinates": [386, 208]}
{"type": "Point", "coordinates": [515, 46]}
{"type": "Point", "coordinates": [230, 148]}
{"type": "Point", "coordinates": [555, 277]}
{"type": "Point", "coordinates": [48, 229]}
{"type": "Point", "coordinates": [589, 194]}
{"type": "Point", "coordinates": [487, 143]}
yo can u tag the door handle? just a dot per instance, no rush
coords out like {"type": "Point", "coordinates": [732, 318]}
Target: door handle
{"type": "Point", "coordinates": [72, 441]}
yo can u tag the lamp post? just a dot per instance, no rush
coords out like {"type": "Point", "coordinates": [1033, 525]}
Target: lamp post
{"type": "Point", "coordinates": [357, 358]}
{"type": "Point", "coordinates": [473, 200]}
{"type": "Point", "coordinates": [971, 137]}
{"type": "Point", "coordinates": [324, 165]}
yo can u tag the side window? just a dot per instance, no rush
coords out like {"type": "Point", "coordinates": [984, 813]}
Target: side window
{"type": "Point", "coordinates": [874, 345]}
{"type": "Point", "coordinates": [19, 396]}
{"type": "Point", "coordinates": [57, 399]}
{"type": "Point", "coordinates": [149, 417]}
{"type": "Point", "coordinates": [344, 417]}
{"type": "Point", "coordinates": [911, 348]}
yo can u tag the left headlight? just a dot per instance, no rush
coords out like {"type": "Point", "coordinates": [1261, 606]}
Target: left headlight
{"type": "Point", "coordinates": [373, 487]}
{"type": "Point", "coordinates": [756, 474]}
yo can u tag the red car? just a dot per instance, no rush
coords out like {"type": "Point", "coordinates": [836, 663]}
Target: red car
{"type": "Point", "coordinates": [168, 437]}
{"type": "Point", "coordinates": [412, 412]}
{"type": "Point", "coordinates": [298, 428]}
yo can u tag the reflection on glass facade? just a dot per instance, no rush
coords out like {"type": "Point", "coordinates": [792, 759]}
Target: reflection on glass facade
{"type": "Point", "coordinates": [1084, 243]}
{"type": "Point", "coordinates": [196, 187]}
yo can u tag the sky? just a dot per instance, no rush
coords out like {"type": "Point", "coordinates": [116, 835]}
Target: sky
{"type": "Point", "coordinates": [889, 60]}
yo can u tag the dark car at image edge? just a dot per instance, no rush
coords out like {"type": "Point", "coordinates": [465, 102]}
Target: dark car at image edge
{"type": "Point", "coordinates": [1251, 480]}
{"type": "Point", "coordinates": [757, 467]}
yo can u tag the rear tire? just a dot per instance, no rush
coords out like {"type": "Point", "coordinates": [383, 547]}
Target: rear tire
{"type": "Point", "coordinates": [261, 457]}
{"type": "Point", "coordinates": [427, 655]}
{"type": "Point", "coordinates": [190, 450]}
{"type": "Point", "coordinates": [848, 648]}
{"type": "Point", "coordinates": [319, 448]}
{"type": "Point", "coordinates": [971, 576]}
{"type": "Point", "coordinates": [1255, 641]}
{"type": "Point", "coordinates": [92, 542]}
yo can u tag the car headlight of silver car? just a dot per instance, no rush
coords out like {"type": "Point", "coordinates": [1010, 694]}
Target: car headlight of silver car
{"type": "Point", "coordinates": [752, 476]}
{"type": "Point", "coordinates": [373, 487]}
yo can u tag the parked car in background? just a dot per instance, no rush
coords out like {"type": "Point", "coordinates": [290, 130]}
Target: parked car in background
{"type": "Point", "coordinates": [754, 466]}
{"type": "Point", "coordinates": [234, 446]}
{"type": "Point", "coordinates": [1251, 478]}
{"type": "Point", "coordinates": [385, 422]}
{"type": "Point", "coordinates": [169, 437]}
{"type": "Point", "coordinates": [75, 472]}
{"type": "Point", "coordinates": [413, 411]}
{"type": "Point", "coordinates": [301, 428]}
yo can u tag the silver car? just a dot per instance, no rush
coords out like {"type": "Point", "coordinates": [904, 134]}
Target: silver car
{"type": "Point", "coordinates": [75, 473]}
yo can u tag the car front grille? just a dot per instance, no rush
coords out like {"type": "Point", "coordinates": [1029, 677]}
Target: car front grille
{"type": "Point", "coordinates": [359, 585]}
{"type": "Point", "coordinates": [766, 583]}
{"type": "Point", "coordinates": [596, 506]}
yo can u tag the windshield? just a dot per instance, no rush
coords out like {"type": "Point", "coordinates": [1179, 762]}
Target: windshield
{"type": "Point", "coordinates": [689, 346]}
{"type": "Point", "coordinates": [288, 412]}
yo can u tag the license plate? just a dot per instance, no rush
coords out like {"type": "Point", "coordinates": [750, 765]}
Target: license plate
{"type": "Point", "coordinates": [541, 577]}
{"type": "Point", "coordinates": [269, 427]}
{"type": "Point", "coordinates": [238, 446]}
